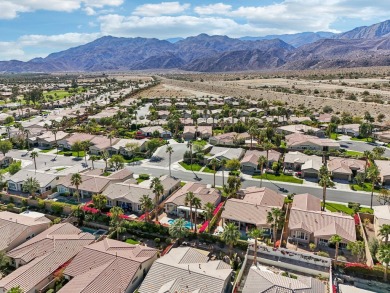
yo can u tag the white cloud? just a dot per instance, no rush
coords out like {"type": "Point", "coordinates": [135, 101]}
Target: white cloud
{"type": "Point", "coordinates": [10, 51]}
{"type": "Point", "coordinates": [10, 9]}
{"type": "Point", "coordinates": [89, 11]}
{"type": "Point", "coordinates": [213, 9]}
{"type": "Point", "coordinates": [163, 8]}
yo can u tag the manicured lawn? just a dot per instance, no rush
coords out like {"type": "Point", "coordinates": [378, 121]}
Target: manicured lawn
{"type": "Point", "coordinates": [195, 167]}
{"type": "Point", "coordinates": [334, 136]}
{"type": "Point", "coordinates": [336, 207]}
{"type": "Point", "coordinates": [60, 94]}
{"type": "Point", "coordinates": [132, 241]}
{"type": "Point", "coordinates": [139, 180]}
{"type": "Point", "coordinates": [354, 153]}
{"type": "Point", "coordinates": [74, 154]}
{"type": "Point", "coordinates": [362, 139]}
{"type": "Point", "coordinates": [367, 187]}
{"type": "Point", "coordinates": [60, 169]}
{"type": "Point", "coordinates": [106, 174]}
{"type": "Point", "coordinates": [182, 183]}
{"type": "Point", "coordinates": [208, 170]}
{"type": "Point", "coordinates": [199, 142]}
{"type": "Point", "coordinates": [135, 159]}
{"type": "Point", "coordinates": [46, 151]}
{"type": "Point", "coordinates": [280, 177]}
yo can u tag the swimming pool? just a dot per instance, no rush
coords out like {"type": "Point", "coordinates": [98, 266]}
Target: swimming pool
{"type": "Point", "coordinates": [187, 224]}
{"type": "Point", "coordinates": [94, 232]}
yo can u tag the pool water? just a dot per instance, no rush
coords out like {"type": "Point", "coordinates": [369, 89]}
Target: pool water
{"type": "Point", "coordinates": [187, 224]}
{"type": "Point", "coordinates": [94, 232]}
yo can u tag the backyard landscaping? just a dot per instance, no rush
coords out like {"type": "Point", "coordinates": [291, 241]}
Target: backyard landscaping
{"type": "Point", "coordinates": [336, 207]}
{"type": "Point", "coordinates": [279, 177]}
{"type": "Point", "coordinates": [353, 153]}
{"type": "Point", "coordinates": [195, 167]}
{"type": "Point", "coordinates": [79, 154]}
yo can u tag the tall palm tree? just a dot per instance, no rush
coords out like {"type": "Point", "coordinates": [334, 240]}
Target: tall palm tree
{"type": "Point", "coordinates": [267, 146]}
{"type": "Point", "coordinates": [146, 206]}
{"type": "Point", "coordinates": [230, 235]}
{"type": "Point", "coordinates": [261, 161]}
{"type": "Point", "coordinates": [373, 175]}
{"type": "Point", "coordinates": [178, 229]}
{"type": "Point", "coordinates": [76, 180]}
{"type": "Point", "coordinates": [117, 224]}
{"type": "Point", "coordinates": [367, 157]}
{"type": "Point", "coordinates": [276, 218]}
{"type": "Point", "coordinates": [93, 158]}
{"type": "Point", "coordinates": [27, 133]}
{"type": "Point", "coordinates": [208, 211]}
{"type": "Point", "coordinates": [223, 163]}
{"type": "Point", "coordinates": [158, 190]}
{"type": "Point", "coordinates": [325, 182]}
{"type": "Point", "coordinates": [110, 136]}
{"type": "Point", "coordinates": [256, 233]}
{"type": "Point", "coordinates": [252, 131]}
{"type": "Point", "coordinates": [188, 201]}
{"type": "Point", "coordinates": [189, 145]}
{"type": "Point", "coordinates": [170, 151]}
{"type": "Point", "coordinates": [105, 156]}
{"type": "Point", "coordinates": [55, 131]}
{"type": "Point", "coordinates": [384, 257]}
{"type": "Point", "coordinates": [384, 232]}
{"type": "Point", "coordinates": [214, 163]}
{"type": "Point", "coordinates": [31, 185]}
{"type": "Point", "coordinates": [197, 204]}
{"type": "Point", "coordinates": [34, 156]}
{"type": "Point", "coordinates": [336, 239]}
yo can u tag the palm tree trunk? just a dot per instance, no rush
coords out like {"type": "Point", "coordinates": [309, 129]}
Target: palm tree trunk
{"type": "Point", "coordinates": [337, 251]}
{"type": "Point", "coordinates": [324, 196]}
{"type": "Point", "coordinates": [35, 163]}
{"type": "Point", "coordinates": [255, 253]}
{"type": "Point", "coordinates": [223, 176]}
{"type": "Point", "coordinates": [214, 176]}
{"type": "Point", "coordinates": [385, 277]}
{"type": "Point", "coordinates": [274, 232]}
{"type": "Point", "coordinates": [191, 215]}
{"type": "Point", "coordinates": [195, 218]}
{"type": "Point", "coordinates": [261, 175]}
{"type": "Point", "coordinates": [372, 194]}
{"type": "Point", "coordinates": [170, 174]}
{"type": "Point", "coordinates": [93, 166]}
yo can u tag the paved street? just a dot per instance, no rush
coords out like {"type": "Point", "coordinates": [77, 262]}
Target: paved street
{"type": "Point", "coordinates": [177, 155]}
{"type": "Point", "coordinates": [359, 146]}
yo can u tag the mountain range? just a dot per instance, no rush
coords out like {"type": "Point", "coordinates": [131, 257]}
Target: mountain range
{"type": "Point", "coordinates": [362, 46]}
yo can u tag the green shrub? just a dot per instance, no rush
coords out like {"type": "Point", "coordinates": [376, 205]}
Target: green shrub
{"type": "Point", "coordinates": [41, 204]}
{"type": "Point", "coordinates": [57, 220]}
{"type": "Point", "coordinates": [10, 206]}
{"type": "Point", "coordinates": [323, 253]}
{"type": "Point", "coordinates": [57, 208]}
{"type": "Point", "coordinates": [11, 199]}
{"type": "Point", "coordinates": [157, 240]}
{"type": "Point", "coordinates": [15, 167]}
{"type": "Point", "coordinates": [24, 202]}
{"type": "Point", "coordinates": [144, 176]}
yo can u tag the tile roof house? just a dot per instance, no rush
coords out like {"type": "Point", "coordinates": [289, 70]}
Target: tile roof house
{"type": "Point", "coordinates": [15, 229]}
{"type": "Point", "coordinates": [93, 182]}
{"type": "Point", "coordinates": [349, 129]}
{"type": "Point", "coordinates": [128, 195]}
{"type": "Point", "coordinates": [344, 168]}
{"type": "Point", "coordinates": [37, 259]}
{"type": "Point", "coordinates": [249, 161]}
{"type": "Point", "coordinates": [297, 141]}
{"type": "Point", "coordinates": [119, 147]}
{"type": "Point", "coordinates": [311, 168]}
{"type": "Point", "coordinates": [176, 203]}
{"type": "Point", "coordinates": [108, 266]}
{"type": "Point", "coordinates": [381, 217]}
{"type": "Point", "coordinates": [307, 223]}
{"type": "Point", "coordinates": [187, 269]}
{"type": "Point", "coordinates": [68, 142]}
{"type": "Point", "coordinates": [101, 143]}
{"type": "Point", "coordinates": [384, 169]}
{"type": "Point", "coordinates": [231, 138]}
{"type": "Point", "coordinates": [300, 128]}
{"type": "Point", "coordinates": [192, 132]}
{"type": "Point", "coordinates": [47, 139]}
{"type": "Point", "coordinates": [265, 281]}
{"type": "Point", "coordinates": [149, 130]}
{"type": "Point", "coordinates": [251, 211]}
{"type": "Point", "coordinates": [220, 153]}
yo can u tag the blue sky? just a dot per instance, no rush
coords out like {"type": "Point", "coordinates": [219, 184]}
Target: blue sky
{"type": "Point", "coordinates": [36, 28]}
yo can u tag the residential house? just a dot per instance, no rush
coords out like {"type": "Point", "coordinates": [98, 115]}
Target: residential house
{"type": "Point", "coordinates": [187, 269]}
{"type": "Point", "coordinates": [307, 223]}
{"type": "Point", "coordinates": [383, 136]}
{"type": "Point", "coordinates": [296, 119]}
{"type": "Point", "coordinates": [101, 143]}
{"type": "Point", "coordinates": [47, 181]}
{"type": "Point", "coordinates": [68, 142]}
{"type": "Point", "coordinates": [325, 118]}
{"type": "Point", "coordinates": [384, 169]}
{"type": "Point", "coordinates": [344, 168]}
{"type": "Point", "coordinates": [106, 113]}
{"type": "Point", "coordinates": [297, 142]}
{"type": "Point", "coordinates": [16, 229]}
{"type": "Point", "coordinates": [93, 182]}
{"type": "Point", "coordinates": [293, 161]}
{"type": "Point", "coordinates": [47, 139]}
{"type": "Point", "coordinates": [120, 146]}
{"type": "Point", "coordinates": [108, 266]}
{"type": "Point", "coordinates": [252, 209]}
{"type": "Point", "coordinates": [311, 168]}
{"type": "Point", "coordinates": [229, 139]}
{"type": "Point", "coordinates": [149, 131]}
{"type": "Point", "coordinates": [381, 217]}
{"type": "Point", "coordinates": [176, 203]}
{"type": "Point", "coordinates": [265, 281]}
{"type": "Point", "coordinates": [37, 259]}
{"type": "Point", "coordinates": [5, 161]}
{"type": "Point", "coordinates": [349, 129]}
{"type": "Point", "coordinates": [249, 161]}
{"type": "Point", "coordinates": [199, 131]}
{"type": "Point", "coordinates": [220, 153]}
{"type": "Point", "coordinates": [128, 194]}
{"type": "Point", "coordinates": [300, 128]}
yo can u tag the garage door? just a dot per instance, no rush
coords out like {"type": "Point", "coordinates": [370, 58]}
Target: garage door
{"type": "Point", "coordinates": [310, 175]}
{"type": "Point", "coordinates": [247, 169]}
{"type": "Point", "coordinates": [340, 176]}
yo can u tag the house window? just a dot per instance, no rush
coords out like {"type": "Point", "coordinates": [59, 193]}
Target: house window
{"type": "Point", "coordinates": [48, 188]}
{"type": "Point", "coordinates": [109, 203]}
{"type": "Point", "coordinates": [139, 207]}
{"type": "Point", "coordinates": [323, 241]}
{"type": "Point", "coordinates": [300, 235]}
{"type": "Point", "coordinates": [12, 185]}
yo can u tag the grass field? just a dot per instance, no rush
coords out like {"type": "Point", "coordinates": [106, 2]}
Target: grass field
{"type": "Point", "coordinates": [195, 167]}
{"type": "Point", "coordinates": [74, 154]}
{"type": "Point", "coordinates": [61, 94]}
{"type": "Point", "coordinates": [362, 139]}
{"type": "Point", "coordinates": [132, 241]}
{"type": "Point", "coordinates": [336, 207]}
{"type": "Point", "coordinates": [281, 177]}
{"type": "Point", "coordinates": [354, 153]}
{"type": "Point", "coordinates": [209, 170]}
{"type": "Point", "coordinates": [334, 136]}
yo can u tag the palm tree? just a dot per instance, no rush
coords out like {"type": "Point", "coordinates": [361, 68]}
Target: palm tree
{"type": "Point", "coordinates": [110, 136]}
{"type": "Point", "coordinates": [276, 218]}
{"type": "Point", "coordinates": [267, 146]}
{"type": "Point", "coordinates": [105, 156]}
{"type": "Point", "coordinates": [325, 182]}
{"type": "Point", "coordinates": [146, 206]}
{"type": "Point", "coordinates": [384, 257]}
{"type": "Point", "coordinates": [336, 239]}
{"type": "Point", "coordinates": [117, 222]}
{"type": "Point", "coordinates": [233, 186]}
{"type": "Point", "coordinates": [252, 131]}
{"type": "Point", "coordinates": [54, 131]}
{"type": "Point", "coordinates": [99, 201]}
{"type": "Point", "coordinates": [208, 211]}
{"type": "Point", "coordinates": [31, 185]}
{"type": "Point", "coordinates": [189, 145]}
{"type": "Point", "coordinates": [188, 201]}
{"type": "Point", "coordinates": [76, 180]}
{"type": "Point", "coordinates": [261, 161]}
{"type": "Point", "coordinates": [373, 175]}
{"type": "Point", "coordinates": [256, 233]}
{"type": "Point", "coordinates": [27, 133]}
{"type": "Point", "coordinates": [223, 163]}
{"type": "Point", "coordinates": [368, 157]}
{"type": "Point", "coordinates": [230, 235]}
{"type": "Point", "coordinates": [197, 204]}
{"type": "Point", "coordinates": [384, 231]}
{"type": "Point", "coordinates": [93, 158]}
{"type": "Point", "coordinates": [214, 163]}
{"type": "Point", "coordinates": [158, 190]}
{"type": "Point", "coordinates": [169, 150]}
{"type": "Point", "coordinates": [33, 156]}
{"type": "Point", "coordinates": [178, 229]}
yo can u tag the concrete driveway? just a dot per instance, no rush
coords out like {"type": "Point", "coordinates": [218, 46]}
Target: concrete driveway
{"type": "Point", "coordinates": [178, 151]}
{"type": "Point", "coordinates": [360, 146]}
